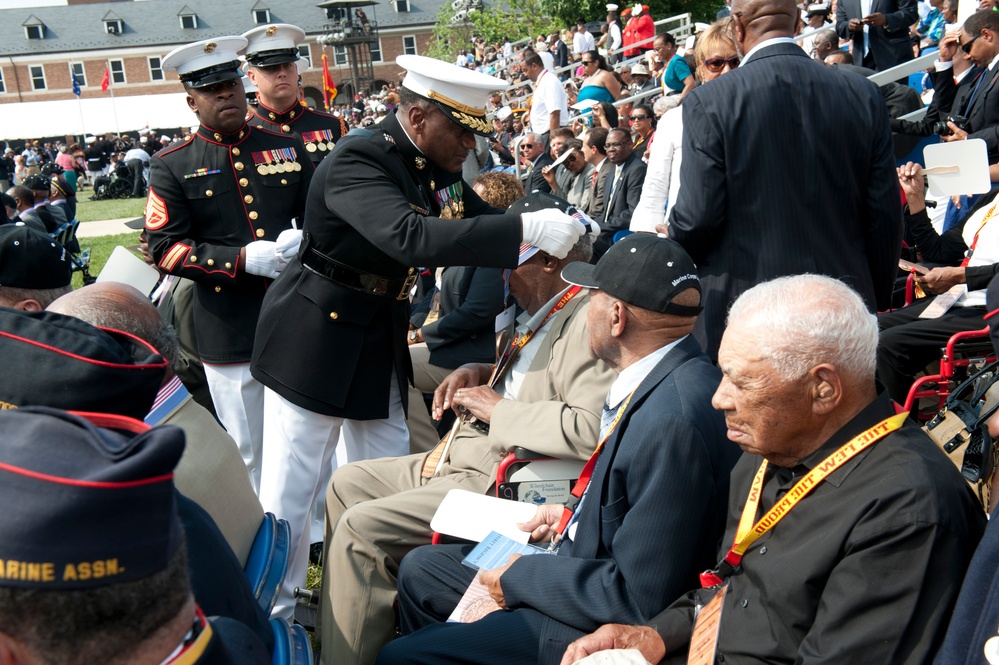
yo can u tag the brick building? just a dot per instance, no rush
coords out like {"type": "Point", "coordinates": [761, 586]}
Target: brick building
{"type": "Point", "coordinates": [128, 38]}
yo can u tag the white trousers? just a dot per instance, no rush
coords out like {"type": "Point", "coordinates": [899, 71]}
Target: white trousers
{"type": "Point", "coordinates": [239, 403]}
{"type": "Point", "coordinates": [298, 456]}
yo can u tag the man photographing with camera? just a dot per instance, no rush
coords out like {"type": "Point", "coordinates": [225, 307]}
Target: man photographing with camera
{"type": "Point", "coordinates": [979, 39]}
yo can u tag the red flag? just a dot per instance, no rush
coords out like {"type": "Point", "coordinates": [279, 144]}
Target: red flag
{"type": "Point", "coordinates": [106, 81]}
{"type": "Point", "coordinates": [329, 87]}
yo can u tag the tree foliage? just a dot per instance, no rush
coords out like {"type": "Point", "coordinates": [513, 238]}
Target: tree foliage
{"type": "Point", "coordinates": [518, 19]}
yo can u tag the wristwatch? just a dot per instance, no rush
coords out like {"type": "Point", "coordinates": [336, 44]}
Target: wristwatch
{"type": "Point", "coordinates": [413, 336]}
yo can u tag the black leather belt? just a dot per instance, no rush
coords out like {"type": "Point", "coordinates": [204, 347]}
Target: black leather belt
{"type": "Point", "coordinates": [344, 275]}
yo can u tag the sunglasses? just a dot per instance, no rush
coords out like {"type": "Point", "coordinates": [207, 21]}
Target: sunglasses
{"type": "Point", "coordinates": [608, 146]}
{"type": "Point", "coordinates": [717, 64]}
{"type": "Point", "coordinates": [638, 117]}
{"type": "Point", "coordinates": [587, 62]}
{"type": "Point", "coordinates": [967, 47]}
{"type": "Point", "coordinates": [526, 145]}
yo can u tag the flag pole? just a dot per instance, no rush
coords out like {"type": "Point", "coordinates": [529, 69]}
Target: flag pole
{"type": "Point", "coordinates": [117, 127]}
{"type": "Point", "coordinates": [79, 103]}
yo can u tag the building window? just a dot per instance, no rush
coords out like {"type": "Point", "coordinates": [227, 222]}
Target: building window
{"type": "Point", "coordinates": [189, 21]}
{"type": "Point", "coordinates": [155, 69]}
{"type": "Point", "coordinates": [3, 88]}
{"type": "Point", "coordinates": [114, 26]}
{"type": "Point", "coordinates": [376, 50]}
{"type": "Point", "coordinates": [261, 16]}
{"type": "Point", "coordinates": [400, 5]}
{"type": "Point", "coordinates": [340, 55]}
{"type": "Point", "coordinates": [79, 73]}
{"type": "Point", "coordinates": [37, 77]}
{"type": "Point", "coordinates": [409, 45]}
{"type": "Point", "coordinates": [305, 54]}
{"type": "Point", "coordinates": [117, 71]}
{"type": "Point", "coordinates": [34, 31]}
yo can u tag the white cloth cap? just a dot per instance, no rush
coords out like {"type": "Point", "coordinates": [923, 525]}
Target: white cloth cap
{"type": "Point", "coordinates": [639, 69]}
{"type": "Point", "coordinates": [504, 113]}
{"type": "Point", "coordinates": [90, 139]}
{"type": "Point", "coordinates": [612, 7]}
{"type": "Point", "coordinates": [203, 54]}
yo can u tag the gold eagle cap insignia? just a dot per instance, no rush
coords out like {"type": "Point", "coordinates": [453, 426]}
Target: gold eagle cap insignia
{"type": "Point", "coordinates": [210, 47]}
{"type": "Point", "coordinates": [271, 29]}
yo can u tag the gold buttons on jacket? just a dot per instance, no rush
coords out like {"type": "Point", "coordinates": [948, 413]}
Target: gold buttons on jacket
{"type": "Point", "coordinates": [228, 265]}
{"type": "Point", "coordinates": [334, 316]}
{"type": "Point", "coordinates": [283, 181]}
{"type": "Point", "coordinates": [285, 128]}
{"type": "Point", "coordinates": [218, 137]}
{"type": "Point", "coordinates": [209, 193]}
{"type": "Point", "coordinates": [253, 214]}
{"type": "Point", "coordinates": [243, 182]}
{"type": "Point", "coordinates": [248, 199]}
{"type": "Point", "coordinates": [218, 289]}
{"type": "Point", "coordinates": [193, 259]}
{"type": "Point", "coordinates": [272, 116]}
{"type": "Point", "coordinates": [260, 233]}
{"type": "Point", "coordinates": [211, 262]}
{"type": "Point", "coordinates": [239, 166]}
{"type": "Point", "coordinates": [235, 152]}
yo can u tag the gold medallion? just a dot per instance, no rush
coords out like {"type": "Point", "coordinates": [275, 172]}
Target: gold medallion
{"type": "Point", "coordinates": [262, 169]}
{"type": "Point", "coordinates": [322, 146]}
{"type": "Point", "coordinates": [272, 169]}
{"type": "Point", "coordinates": [330, 145]}
{"type": "Point", "coordinates": [296, 166]}
{"type": "Point", "coordinates": [459, 210]}
{"type": "Point", "coordinates": [446, 212]}
{"type": "Point", "coordinates": [311, 147]}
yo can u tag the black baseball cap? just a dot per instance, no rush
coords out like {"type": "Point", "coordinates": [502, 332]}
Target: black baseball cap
{"type": "Point", "coordinates": [642, 269]}
{"type": "Point", "coordinates": [88, 501]}
{"type": "Point", "coordinates": [30, 259]}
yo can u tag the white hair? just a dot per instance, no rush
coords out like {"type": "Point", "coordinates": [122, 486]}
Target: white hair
{"type": "Point", "coordinates": [810, 320]}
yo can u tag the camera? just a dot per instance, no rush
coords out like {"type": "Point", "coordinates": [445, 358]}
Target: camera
{"type": "Point", "coordinates": [942, 129]}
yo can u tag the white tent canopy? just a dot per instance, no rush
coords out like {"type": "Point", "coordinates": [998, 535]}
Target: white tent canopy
{"type": "Point", "coordinates": [27, 120]}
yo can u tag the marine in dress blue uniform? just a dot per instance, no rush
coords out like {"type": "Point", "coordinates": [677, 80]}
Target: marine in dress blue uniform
{"type": "Point", "coordinates": [219, 212]}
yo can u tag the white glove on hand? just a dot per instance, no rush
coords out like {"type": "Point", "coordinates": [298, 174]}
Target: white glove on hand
{"type": "Point", "coordinates": [262, 259]}
{"type": "Point", "coordinates": [287, 244]}
{"type": "Point", "coordinates": [551, 230]}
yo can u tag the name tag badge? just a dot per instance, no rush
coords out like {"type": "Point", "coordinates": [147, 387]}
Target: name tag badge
{"type": "Point", "coordinates": [504, 319]}
{"type": "Point", "coordinates": [704, 639]}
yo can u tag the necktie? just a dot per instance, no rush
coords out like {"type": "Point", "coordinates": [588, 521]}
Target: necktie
{"type": "Point", "coordinates": [971, 97]}
{"type": "Point", "coordinates": [606, 418]}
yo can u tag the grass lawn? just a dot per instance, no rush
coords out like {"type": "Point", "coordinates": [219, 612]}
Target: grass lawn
{"type": "Point", "coordinates": [91, 211]}
{"type": "Point", "coordinates": [100, 250]}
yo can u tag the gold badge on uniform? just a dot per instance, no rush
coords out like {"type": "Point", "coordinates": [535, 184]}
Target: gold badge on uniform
{"type": "Point", "coordinates": [421, 163]}
{"type": "Point", "coordinates": [450, 202]}
{"type": "Point", "coordinates": [271, 29]}
{"type": "Point", "coordinates": [282, 160]}
{"type": "Point", "coordinates": [210, 47]}
{"type": "Point", "coordinates": [321, 140]}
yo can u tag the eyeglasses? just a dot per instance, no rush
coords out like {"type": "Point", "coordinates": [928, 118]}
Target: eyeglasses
{"type": "Point", "coordinates": [526, 145]}
{"type": "Point", "coordinates": [587, 62]}
{"type": "Point", "coordinates": [967, 47]}
{"type": "Point", "coordinates": [638, 117]}
{"type": "Point", "coordinates": [715, 65]}
{"type": "Point", "coordinates": [608, 146]}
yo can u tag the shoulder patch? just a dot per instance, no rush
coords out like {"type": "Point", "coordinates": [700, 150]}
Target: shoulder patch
{"type": "Point", "coordinates": [156, 211]}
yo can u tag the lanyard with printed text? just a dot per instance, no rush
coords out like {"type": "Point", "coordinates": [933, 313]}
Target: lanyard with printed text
{"type": "Point", "coordinates": [974, 240]}
{"type": "Point", "coordinates": [521, 340]}
{"type": "Point", "coordinates": [748, 533]}
{"type": "Point", "coordinates": [587, 473]}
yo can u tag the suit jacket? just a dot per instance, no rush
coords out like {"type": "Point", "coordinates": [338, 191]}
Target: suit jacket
{"type": "Point", "coordinates": [847, 224]}
{"type": "Point", "coordinates": [596, 203]}
{"type": "Point", "coordinates": [621, 200]}
{"type": "Point", "coordinates": [949, 98]}
{"type": "Point", "coordinates": [890, 44]}
{"type": "Point", "coordinates": [652, 516]}
{"type": "Point", "coordinates": [329, 348]}
{"type": "Point", "coordinates": [535, 179]}
{"type": "Point", "coordinates": [557, 411]}
{"type": "Point", "coordinates": [575, 187]}
{"type": "Point", "coordinates": [560, 54]}
{"type": "Point", "coordinates": [983, 111]}
{"type": "Point", "coordinates": [470, 299]}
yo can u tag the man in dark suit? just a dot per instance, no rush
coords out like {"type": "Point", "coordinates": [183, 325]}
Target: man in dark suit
{"type": "Point", "coordinates": [879, 30]}
{"type": "Point", "coordinates": [533, 148]}
{"type": "Point", "coordinates": [560, 52]}
{"type": "Point", "coordinates": [979, 38]}
{"type": "Point", "coordinates": [331, 347]}
{"type": "Point", "coordinates": [622, 187]}
{"type": "Point", "coordinates": [655, 501]}
{"type": "Point", "coordinates": [595, 152]}
{"type": "Point", "coordinates": [846, 224]}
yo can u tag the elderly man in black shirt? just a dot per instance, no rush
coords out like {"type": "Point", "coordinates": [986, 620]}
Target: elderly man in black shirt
{"type": "Point", "coordinates": [848, 540]}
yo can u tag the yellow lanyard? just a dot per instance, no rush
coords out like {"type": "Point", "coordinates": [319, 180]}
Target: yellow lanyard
{"type": "Point", "coordinates": [748, 533]}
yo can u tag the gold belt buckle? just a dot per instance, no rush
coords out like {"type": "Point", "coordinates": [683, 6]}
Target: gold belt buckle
{"type": "Point", "coordinates": [408, 285]}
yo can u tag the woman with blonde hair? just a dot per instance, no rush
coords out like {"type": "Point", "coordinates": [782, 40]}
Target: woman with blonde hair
{"type": "Point", "coordinates": [714, 55]}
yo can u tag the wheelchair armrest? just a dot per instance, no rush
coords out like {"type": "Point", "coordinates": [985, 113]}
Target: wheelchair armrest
{"type": "Point", "coordinates": [525, 454]}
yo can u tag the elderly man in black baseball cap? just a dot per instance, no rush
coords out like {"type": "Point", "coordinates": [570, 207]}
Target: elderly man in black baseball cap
{"type": "Point", "coordinates": [34, 268]}
{"type": "Point", "coordinates": [94, 562]}
{"type": "Point", "coordinates": [655, 488]}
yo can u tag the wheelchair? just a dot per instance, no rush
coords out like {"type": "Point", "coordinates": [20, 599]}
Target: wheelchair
{"type": "Point", "coordinates": [117, 185]}
{"type": "Point", "coordinates": [79, 259]}
{"type": "Point", "coordinates": [965, 354]}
